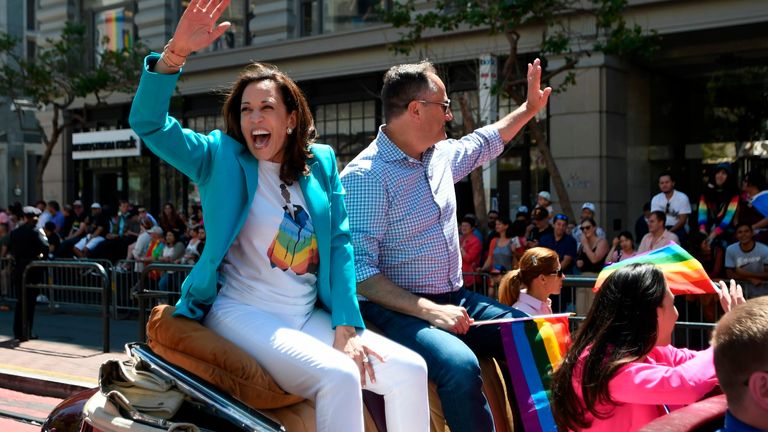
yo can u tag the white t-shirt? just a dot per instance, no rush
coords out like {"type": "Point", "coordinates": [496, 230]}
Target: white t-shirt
{"type": "Point", "coordinates": [752, 261]}
{"type": "Point", "coordinates": [273, 262]}
{"type": "Point", "coordinates": [678, 205]}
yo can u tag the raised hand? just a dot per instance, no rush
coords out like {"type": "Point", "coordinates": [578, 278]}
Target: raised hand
{"type": "Point", "coordinates": [197, 27]}
{"type": "Point", "coordinates": [730, 297]}
{"type": "Point", "coordinates": [537, 98]}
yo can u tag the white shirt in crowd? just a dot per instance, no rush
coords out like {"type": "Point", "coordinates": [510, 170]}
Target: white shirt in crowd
{"type": "Point", "coordinates": [679, 204]}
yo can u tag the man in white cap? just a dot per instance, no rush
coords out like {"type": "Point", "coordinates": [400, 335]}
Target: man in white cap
{"type": "Point", "coordinates": [544, 200]}
{"type": "Point", "coordinates": [27, 243]}
{"type": "Point", "coordinates": [588, 210]}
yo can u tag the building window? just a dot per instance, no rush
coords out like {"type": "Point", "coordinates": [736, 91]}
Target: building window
{"type": "Point", "coordinates": [235, 37]}
{"type": "Point", "coordinates": [31, 49]}
{"type": "Point", "coordinates": [331, 16]}
{"type": "Point", "coordinates": [347, 126]}
{"type": "Point", "coordinates": [31, 15]}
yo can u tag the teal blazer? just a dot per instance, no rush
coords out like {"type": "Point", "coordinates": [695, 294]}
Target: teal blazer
{"type": "Point", "coordinates": [226, 174]}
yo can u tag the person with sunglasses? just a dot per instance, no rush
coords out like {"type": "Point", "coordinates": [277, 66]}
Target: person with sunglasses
{"type": "Point", "coordinates": [402, 216]}
{"type": "Point", "coordinates": [528, 287]}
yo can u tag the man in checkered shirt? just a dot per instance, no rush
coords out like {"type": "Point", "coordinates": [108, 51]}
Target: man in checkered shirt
{"type": "Point", "coordinates": [402, 213]}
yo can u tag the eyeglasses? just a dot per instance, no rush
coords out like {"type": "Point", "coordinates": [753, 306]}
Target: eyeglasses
{"type": "Point", "coordinates": [446, 105]}
{"type": "Point", "coordinates": [559, 273]}
{"type": "Point", "coordinates": [586, 227]}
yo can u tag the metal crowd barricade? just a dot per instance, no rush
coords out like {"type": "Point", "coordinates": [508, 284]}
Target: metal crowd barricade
{"type": "Point", "coordinates": [93, 272]}
{"type": "Point", "coordinates": [481, 283]}
{"type": "Point", "coordinates": [74, 276]}
{"type": "Point", "coordinates": [6, 281]}
{"type": "Point", "coordinates": [125, 281]}
{"type": "Point", "coordinates": [158, 280]}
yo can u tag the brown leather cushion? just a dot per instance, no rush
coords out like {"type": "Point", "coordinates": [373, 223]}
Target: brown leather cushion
{"type": "Point", "coordinates": [194, 347]}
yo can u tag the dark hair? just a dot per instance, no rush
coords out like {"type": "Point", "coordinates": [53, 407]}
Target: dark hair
{"type": "Point", "coordinates": [591, 222]}
{"type": "Point", "coordinates": [496, 212]}
{"type": "Point", "coordinates": [755, 179]}
{"type": "Point", "coordinates": [660, 215]}
{"type": "Point", "coordinates": [297, 147]}
{"type": "Point", "coordinates": [695, 239]}
{"type": "Point", "coordinates": [743, 223]}
{"type": "Point", "coordinates": [50, 226]}
{"type": "Point", "coordinates": [402, 84]}
{"type": "Point", "coordinates": [668, 174]}
{"type": "Point", "coordinates": [647, 206]}
{"type": "Point", "coordinates": [534, 262]}
{"type": "Point", "coordinates": [517, 229]}
{"type": "Point", "coordinates": [539, 213]}
{"type": "Point", "coordinates": [54, 205]}
{"type": "Point", "coordinates": [505, 220]}
{"type": "Point", "coordinates": [620, 328]}
{"type": "Point", "coordinates": [628, 235]}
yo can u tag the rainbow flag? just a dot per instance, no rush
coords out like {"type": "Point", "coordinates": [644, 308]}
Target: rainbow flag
{"type": "Point", "coordinates": [534, 347]}
{"type": "Point", "coordinates": [684, 274]}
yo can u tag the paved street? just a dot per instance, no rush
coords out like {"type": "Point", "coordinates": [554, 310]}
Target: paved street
{"type": "Point", "coordinates": [65, 358]}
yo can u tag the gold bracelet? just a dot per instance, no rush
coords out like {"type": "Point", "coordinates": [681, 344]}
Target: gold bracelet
{"type": "Point", "coordinates": [170, 63]}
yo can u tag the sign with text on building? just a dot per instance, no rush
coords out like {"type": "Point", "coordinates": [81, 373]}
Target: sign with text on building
{"type": "Point", "coordinates": [105, 144]}
{"type": "Point", "coordinates": [487, 92]}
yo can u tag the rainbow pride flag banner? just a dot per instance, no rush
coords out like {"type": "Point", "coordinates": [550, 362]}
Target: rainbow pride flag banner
{"type": "Point", "coordinates": [534, 347]}
{"type": "Point", "coordinates": [684, 274]}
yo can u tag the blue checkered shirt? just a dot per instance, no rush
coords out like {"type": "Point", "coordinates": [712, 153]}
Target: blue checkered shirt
{"type": "Point", "coordinates": [402, 211]}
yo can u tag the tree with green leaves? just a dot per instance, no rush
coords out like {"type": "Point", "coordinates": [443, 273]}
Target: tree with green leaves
{"type": "Point", "coordinates": [611, 35]}
{"type": "Point", "coordinates": [58, 75]}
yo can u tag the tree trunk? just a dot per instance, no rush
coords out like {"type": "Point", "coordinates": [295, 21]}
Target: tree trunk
{"type": "Point", "coordinates": [49, 143]}
{"type": "Point", "coordinates": [554, 173]}
{"type": "Point", "coordinates": [476, 176]}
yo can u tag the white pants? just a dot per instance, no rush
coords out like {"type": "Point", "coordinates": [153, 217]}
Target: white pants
{"type": "Point", "coordinates": [302, 361]}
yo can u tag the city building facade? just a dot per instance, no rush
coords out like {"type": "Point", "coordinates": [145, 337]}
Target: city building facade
{"type": "Point", "coordinates": [695, 104]}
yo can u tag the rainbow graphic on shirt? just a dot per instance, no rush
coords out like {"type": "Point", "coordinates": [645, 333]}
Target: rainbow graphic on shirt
{"type": "Point", "coordinates": [295, 244]}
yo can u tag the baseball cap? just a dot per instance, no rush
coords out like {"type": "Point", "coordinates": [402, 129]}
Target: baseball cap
{"type": "Point", "coordinates": [77, 203]}
{"type": "Point", "coordinates": [31, 211]}
{"type": "Point", "coordinates": [96, 205]}
{"type": "Point", "coordinates": [546, 195]}
{"type": "Point", "coordinates": [590, 206]}
{"type": "Point", "coordinates": [522, 209]}
{"type": "Point", "coordinates": [540, 213]}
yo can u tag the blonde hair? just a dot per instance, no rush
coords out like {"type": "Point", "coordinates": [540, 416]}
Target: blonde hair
{"type": "Point", "coordinates": [744, 329]}
{"type": "Point", "coordinates": [534, 262]}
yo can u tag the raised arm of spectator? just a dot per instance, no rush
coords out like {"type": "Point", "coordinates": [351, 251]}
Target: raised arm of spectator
{"type": "Point", "coordinates": [600, 252]}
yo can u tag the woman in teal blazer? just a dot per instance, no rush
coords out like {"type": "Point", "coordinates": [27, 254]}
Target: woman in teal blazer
{"type": "Point", "coordinates": [276, 276]}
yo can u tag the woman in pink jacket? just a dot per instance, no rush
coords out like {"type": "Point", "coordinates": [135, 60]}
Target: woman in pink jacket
{"type": "Point", "coordinates": [621, 371]}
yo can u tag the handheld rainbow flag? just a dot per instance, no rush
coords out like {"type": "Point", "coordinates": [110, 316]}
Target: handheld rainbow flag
{"type": "Point", "coordinates": [684, 274]}
{"type": "Point", "coordinates": [534, 347]}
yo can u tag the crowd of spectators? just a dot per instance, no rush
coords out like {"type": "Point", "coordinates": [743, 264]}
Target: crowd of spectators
{"type": "Point", "coordinates": [721, 229]}
{"type": "Point", "coordinates": [128, 232]}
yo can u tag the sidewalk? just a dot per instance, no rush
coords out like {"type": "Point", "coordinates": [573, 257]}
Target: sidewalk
{"type": "Point", "coordinates": [67, 355]}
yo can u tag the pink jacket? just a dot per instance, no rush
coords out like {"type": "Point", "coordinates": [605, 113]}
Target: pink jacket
{"type": "Point", "coordinates": [667, 376]}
